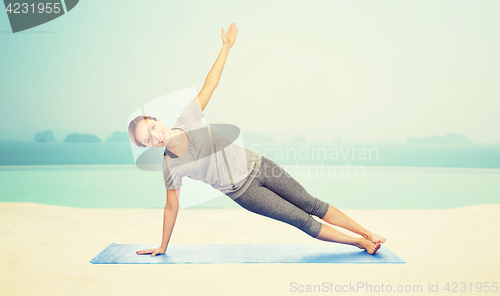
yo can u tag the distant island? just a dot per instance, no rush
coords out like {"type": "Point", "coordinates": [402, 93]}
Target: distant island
{"type": "Point", "coordinates": [250, 136]}
{"type": "Point", "coordinates": [118, 136]}
{"type": "Point", "coordinates": [82, 138]}
{"type": "Point", "coordinates": [46, 136]}
{"type": "Point", "coordinates": [337, 140]}
{"type": "Point", "coordinates": [451, 138]}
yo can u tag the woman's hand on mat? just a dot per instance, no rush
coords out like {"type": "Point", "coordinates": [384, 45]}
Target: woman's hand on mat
{"type": "Point", "coordinates": [230, 37]}
{"type": "Point", "coordinates": [153, 252]}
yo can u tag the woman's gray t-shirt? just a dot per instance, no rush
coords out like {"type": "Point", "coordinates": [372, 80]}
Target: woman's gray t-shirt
{"type": "Point", "coordinates": [199, 163]}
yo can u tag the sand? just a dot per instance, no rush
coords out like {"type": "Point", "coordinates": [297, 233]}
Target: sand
{"type": "Point", "coordinates": [45, 250]}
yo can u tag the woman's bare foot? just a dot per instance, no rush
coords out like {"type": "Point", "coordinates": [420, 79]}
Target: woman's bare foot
{"type": "Point", "coordinates": [375, 238]}
{"type": "Point", "coordinates": [370, 247]}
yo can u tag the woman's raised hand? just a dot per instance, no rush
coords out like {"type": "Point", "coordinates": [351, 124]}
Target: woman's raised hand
{"type": "Point", "coordinates": [230, 37]}
{"type": "Point", "coordinates": [153, 252]}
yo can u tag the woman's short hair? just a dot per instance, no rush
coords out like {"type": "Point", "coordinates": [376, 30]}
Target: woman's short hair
{"type": "Point", "coordinates": [133, 126]}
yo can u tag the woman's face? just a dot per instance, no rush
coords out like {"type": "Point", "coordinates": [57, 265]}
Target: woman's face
{"type": "Point", "coordinates": [152, 133]}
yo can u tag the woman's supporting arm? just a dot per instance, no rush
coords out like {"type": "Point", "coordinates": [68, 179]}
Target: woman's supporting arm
{"type": "Point", "coordinates": [169, 216]}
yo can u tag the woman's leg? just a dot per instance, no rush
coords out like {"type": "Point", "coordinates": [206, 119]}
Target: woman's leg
{"type": "Point", "coordinates": [278, 180]}
{"type": "Point", "coordinates": [262, 200]}
{"type": "Point", "coordinates": [275, 178]}
{"type": "Point", "coordinates": [337, 218]}
{"type": "Point", "coordinates": [330, 234]}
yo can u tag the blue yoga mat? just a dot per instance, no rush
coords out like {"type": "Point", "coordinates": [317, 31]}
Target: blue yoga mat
{"type": "Point", "coordinates": [244, 253]}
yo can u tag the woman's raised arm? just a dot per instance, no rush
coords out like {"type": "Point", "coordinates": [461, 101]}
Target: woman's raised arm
{"type": "Point", "coordinates": [213, 76]}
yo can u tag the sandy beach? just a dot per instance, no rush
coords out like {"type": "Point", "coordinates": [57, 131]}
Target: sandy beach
{"type": "Point", "coordinates": [46, 250]}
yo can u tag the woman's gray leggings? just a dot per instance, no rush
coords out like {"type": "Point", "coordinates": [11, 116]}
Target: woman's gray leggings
{"type": "Point", "coordinates": [277, 195]}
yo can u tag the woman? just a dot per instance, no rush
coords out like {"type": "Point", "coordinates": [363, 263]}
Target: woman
{"type": "Point", "coordinates": [253, 181]}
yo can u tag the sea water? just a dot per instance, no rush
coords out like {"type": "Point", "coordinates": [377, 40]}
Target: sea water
{"type": "Point", "coordinates": [125, 186]}
{"type": "Point", "coordinates": [412, 155]}
{"type": "Point", "coordinates": [368, 176]}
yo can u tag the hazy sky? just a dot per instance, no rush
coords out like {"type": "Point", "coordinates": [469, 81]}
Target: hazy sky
{"type": "Point", "coordinates": [361, 70]}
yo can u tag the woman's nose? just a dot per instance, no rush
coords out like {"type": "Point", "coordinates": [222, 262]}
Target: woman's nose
{"type": "Point", "coordinates": [157, 137]}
